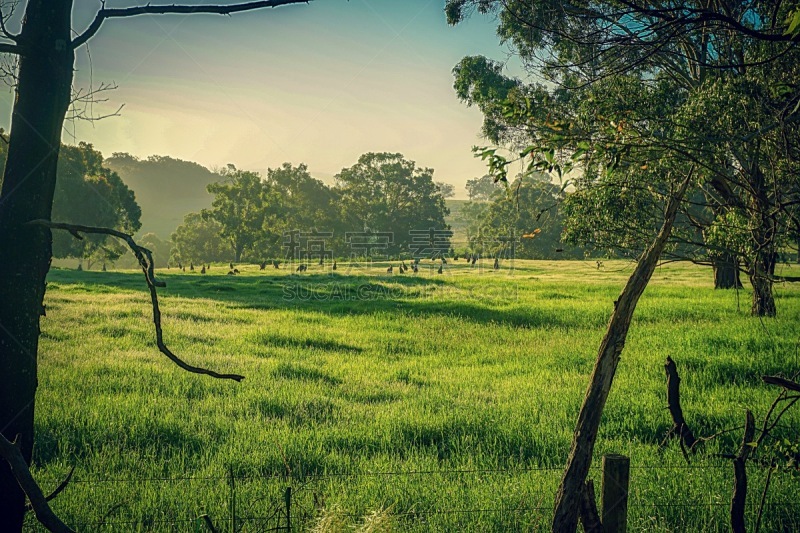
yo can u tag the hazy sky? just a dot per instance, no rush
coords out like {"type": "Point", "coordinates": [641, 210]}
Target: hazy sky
{"type": "Point", "coordinates": [319, 84]}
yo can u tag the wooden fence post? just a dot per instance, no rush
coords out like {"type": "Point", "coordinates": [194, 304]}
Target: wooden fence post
{"type": "Point", "coordinates": [287, 497]}
{"type": "Point", "coordinates": [614, 501]}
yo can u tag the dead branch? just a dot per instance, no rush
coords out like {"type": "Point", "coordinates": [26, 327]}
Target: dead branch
{"type": "Point", "coordinates": [83, 101]}
{"type": "Point", "coordinates": [61, 486]}
{"type": "Point", "coordinates": [11, 453]}
{"type": "Point", "coordinates": [145, 258]}
{"type": "Point", "coordinates": [679, 426]}
{"type": "Point", "coordinates": [781, 382]}
{"type": "Point", "coordinates": [739, 497]}
{"type": "Point", "coordinates": [107, 13]}
{"type": "Point", "coordinates": [589, 516]}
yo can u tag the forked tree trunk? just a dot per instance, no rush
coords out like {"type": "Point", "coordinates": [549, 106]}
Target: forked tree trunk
{"type": "Point", "coordinates": [569, 492]}
{"type": "Point", "coordinates": [42, 98]}
{"type": "Point", "coordinates": [726, 272]}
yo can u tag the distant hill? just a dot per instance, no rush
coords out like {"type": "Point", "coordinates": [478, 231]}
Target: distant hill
{"type": "Point", "coordinates": [165, 188]}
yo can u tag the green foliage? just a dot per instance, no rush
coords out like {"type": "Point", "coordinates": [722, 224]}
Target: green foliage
{"type": "Point", "coordinates": [524, 223]}
{"type": "Point", "coordinates": [385, 192]}
{"type": "Point", "coordinates": [447, 190]}
{"type": "Point", "coordinates": [198, 240]}
{"type": "Point", "coordinates": [482, 189]}
{"type": "Point", "coordinates": [242, 206]}
{"type": "Point", "coordinates": [87, 193]}
{"type": "Point", "coordinates": [636, 114]}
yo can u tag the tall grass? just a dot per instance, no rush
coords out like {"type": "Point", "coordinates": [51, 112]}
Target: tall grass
{"type": "Point", "coordinates": [428, 402]}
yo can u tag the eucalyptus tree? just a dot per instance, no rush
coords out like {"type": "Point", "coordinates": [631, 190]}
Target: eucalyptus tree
{"type": "Point", "coordinates": [725, 120]}
{"type": "Point", "coordinates": [45, 46]}
{"type": "Point", "coordinates": [725, 73]}
{"type": "Point", "coordinates": [384, 192]}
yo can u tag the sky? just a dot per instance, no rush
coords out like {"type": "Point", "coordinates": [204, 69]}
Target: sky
{"type": "Point", "coordinates": [319, 84]}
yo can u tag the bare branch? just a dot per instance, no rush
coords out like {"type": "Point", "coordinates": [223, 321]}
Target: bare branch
{"type": "Point", "coordinates": [11, 453]}
{"type": "Point", "coordinates": [61, 486]}
{"type": "Point", "coordinates": [145, 258]}
{"type": "Point", "coordinates": [104, 13]}
{"type": "Point", "coordinates": [781, 382]}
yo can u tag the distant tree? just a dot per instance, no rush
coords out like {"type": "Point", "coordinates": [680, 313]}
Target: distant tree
{"type": "Point", "coordinates": [304, 204]}
{"type": "Point", "coordinates": [448, 190]}
{"type": "Point", "coordinates": [88, 193]}
{"type": "Point", "coordinates": [239, 207]}
{"type": "Point", "coordinates": [482, 189]}
{"type": "Point", "coordinates": [525, 223]}
{"type": "Point", "coordinates": [385, 192]}
{"type": "Point", "coordinates": [199, 240]}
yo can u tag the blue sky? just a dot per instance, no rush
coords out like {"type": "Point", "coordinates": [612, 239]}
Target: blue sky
{"type": "Point", "coordinates": [319, 84]}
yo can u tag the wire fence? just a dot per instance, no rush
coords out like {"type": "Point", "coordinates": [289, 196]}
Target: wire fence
{"type": "Point", "coordinates": [678, 497]}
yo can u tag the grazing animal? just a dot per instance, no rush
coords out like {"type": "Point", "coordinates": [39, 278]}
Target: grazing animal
{"type": "Point", "coordinates": [231, 266]}
{"type": "Point", "coordinates": [496, 263]}
{"type": "Point", "coordinates": [334, 264]}
{"type": "Point", "coordinates": [263, 265]}
{"type": "Point", "coordinates": [440, 269]}
{"type": "Point", "coordinates": [321, 262]}
{"type": "Point", "coordinates": [231, 273]}
{"type": "Point", "coordinates": [455, 257]}
{"type": "Point", "coordinates": [180, 266]}
{"type": "Point", "coordinates": [301, 268]}
{"type": "Point", "coordinates": [184, 269]}
{"type": "Point", "coordinates": [191, 267]}
{"type": "Point", "coordinates": [403, 265]}
{"type": "Point", "coordinates": [444, 261]}
{"type": "Point", "coordinates": [474, 259]}
{"type": "Point", "coordinates": [203, 270]}
{"type": "Point", "coordinates": [600, 265]}
{"type": "Point", "coordinates": [276, 264]}
{"type": "Point", "coordinates": [235, 270]}
{"type": "Point", "coordinates": [390, 269]}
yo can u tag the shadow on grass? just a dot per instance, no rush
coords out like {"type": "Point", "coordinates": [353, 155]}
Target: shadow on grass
{"type": "Point", "coordinates": [341, 295]}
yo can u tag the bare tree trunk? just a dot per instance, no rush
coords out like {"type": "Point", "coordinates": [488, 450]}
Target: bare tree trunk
{"type": "Point", "coordinates": [726, 272]}
{"type": "Point", "coordinates": [42, 98]}
{"type": "Point", "coordinates": [569, 492]}
{"type": "Point", "coordinates": [761, 273]}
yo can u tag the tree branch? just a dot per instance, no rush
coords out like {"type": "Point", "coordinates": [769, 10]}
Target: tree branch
{"type": "Point", "coordinates": [104, 13]}
{"type": "Point", "coordinates": [11, 453]}
{"type": "Point", "coordinates": [145, 258]}
{"type": "Point", "coordinates": [61, 486]}
{"type": "Point", "coordinates": [781, 382]}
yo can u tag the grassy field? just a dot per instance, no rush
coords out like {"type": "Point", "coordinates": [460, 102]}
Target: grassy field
{"type": "Point", "coordinates": [427, 403]}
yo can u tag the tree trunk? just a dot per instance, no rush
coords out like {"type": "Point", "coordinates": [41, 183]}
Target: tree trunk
{"type": "Point", "coordinates": [569, 493]}
{"type": "Point", "coordinates": [761, 273]}
{"type": "Point", "coordinates": [42, 98]}
{"type": "Point", "coordinates": [726, 272]}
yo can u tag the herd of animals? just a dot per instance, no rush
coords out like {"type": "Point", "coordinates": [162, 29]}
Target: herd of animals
{"type": "Point", "coordinates": [402, 268]}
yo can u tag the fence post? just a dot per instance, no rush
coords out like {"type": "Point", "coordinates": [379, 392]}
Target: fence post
{"type": "Point", "coordinates": [287, 498]}
{"type": "Point", "coordinates": [232, 499]}
{"type": "Point", "coordinates": [614, 501]}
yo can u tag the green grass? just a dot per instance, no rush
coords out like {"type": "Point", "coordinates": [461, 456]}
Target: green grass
{"type": "Point", "coordinates": [464, 385]}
